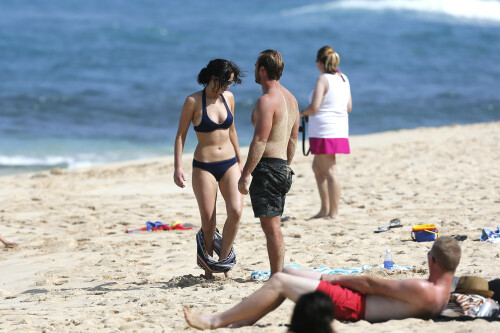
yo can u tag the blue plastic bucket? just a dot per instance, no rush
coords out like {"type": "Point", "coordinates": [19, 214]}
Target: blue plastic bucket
{"type": "Point", "coordinates": [424, 233]}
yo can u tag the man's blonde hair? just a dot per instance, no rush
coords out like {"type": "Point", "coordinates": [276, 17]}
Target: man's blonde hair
{"type": "Point", "coordinates": [272, 62]}
{"type": "Point", "coordinates": [446, 252]}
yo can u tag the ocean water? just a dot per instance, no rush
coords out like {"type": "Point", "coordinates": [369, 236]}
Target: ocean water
{"type": "Point", "coordinates": [90, 82]}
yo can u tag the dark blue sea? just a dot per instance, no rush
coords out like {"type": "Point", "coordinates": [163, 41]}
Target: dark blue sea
{"type": "Point", "coordinates": [90, 82]}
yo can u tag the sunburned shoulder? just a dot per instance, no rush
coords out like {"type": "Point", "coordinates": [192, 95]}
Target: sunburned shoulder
{"type": "Point", "coordinates": [423, 289]}
{"type": "Point", "coordinates": [265, 101]}
{"type": "Point", "coordinates": [288, 94]}
{"type": "Point", "coordinates": [417, 283]}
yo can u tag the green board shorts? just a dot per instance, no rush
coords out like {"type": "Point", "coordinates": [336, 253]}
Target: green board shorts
{"type": "Point", "coordinates": [271, 181]}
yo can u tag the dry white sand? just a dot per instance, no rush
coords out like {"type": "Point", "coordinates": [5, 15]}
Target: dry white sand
{"type": "Point", "coordinates": [76, 269]}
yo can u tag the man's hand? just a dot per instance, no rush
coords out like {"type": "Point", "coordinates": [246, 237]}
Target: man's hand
{"type": "Point", "coordinates": [243, 184]}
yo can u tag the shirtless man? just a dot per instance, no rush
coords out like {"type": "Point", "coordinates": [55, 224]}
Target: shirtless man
{"type": "Point", "coordinates": [354, 297]}
{"type": "Point", "coordinates": [276, 121]}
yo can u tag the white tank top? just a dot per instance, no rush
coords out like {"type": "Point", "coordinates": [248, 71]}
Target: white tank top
{"type": "Point", "coordinates": [331, 120]}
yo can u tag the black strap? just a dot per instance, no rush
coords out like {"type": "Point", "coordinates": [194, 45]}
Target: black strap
{"type": "Point", "coordinates": [304, 120]}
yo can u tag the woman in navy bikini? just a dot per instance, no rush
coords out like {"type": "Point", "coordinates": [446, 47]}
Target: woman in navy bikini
{"type": "Point", "coordinates": [217, 163]}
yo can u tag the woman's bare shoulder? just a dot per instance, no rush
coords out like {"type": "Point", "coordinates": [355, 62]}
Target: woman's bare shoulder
{"type": "Point", "coordinates": [194, 98]}
{"type": "Point", "coordinates": [228, 95]}
{"type": "Point", "coordinates": [196, 95]}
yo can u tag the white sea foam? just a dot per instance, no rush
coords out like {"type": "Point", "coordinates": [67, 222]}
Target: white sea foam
{"type": "Point", "coordinates": [24, 163]}
{"type": "Point", "coordinates": [18, 161]}
{"type": "Point", "coordinates": [475, 10]}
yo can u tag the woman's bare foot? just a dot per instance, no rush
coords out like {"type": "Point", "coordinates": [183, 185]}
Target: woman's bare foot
{"type": "Point", "coordinates": [10, 244]}
{"type": "Point", "coordinates": [318, 216]}
{"type": "Point", "coordinates": [209, 275]}
{"type": "Point", "coordinates": [332, 217]}
{"type": "Point", "coordinates": [198, 321]}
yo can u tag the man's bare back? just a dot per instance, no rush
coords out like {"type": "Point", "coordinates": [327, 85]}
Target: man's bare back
{"type": "Point", "coordinates": [427, 300]}
{"type": "Point", "coordinates": [285, 113]}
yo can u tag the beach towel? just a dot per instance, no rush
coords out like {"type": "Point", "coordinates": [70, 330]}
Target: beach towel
{"type": "Point", "coordinates": [471, 305]}
{"type": "Point", "coordinates": [262, 275]}
{"type": "Point", "coordinates": [207, 262]}
{"type": "Point", "coordinates": [492, 236]}
{"type": "Point", "coordinates": [265, 274]}
{"type": "Point", "coordinates": [348, 271]}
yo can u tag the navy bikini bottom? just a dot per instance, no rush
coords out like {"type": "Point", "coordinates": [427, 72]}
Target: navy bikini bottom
{"type": "Point", "coordinates": [217, 169]}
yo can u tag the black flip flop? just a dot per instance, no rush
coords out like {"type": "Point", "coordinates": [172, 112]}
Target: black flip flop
{"type": "Point", "coordinates": [460, 238]}
{"type": "Point", "coordinates": [395, 223]}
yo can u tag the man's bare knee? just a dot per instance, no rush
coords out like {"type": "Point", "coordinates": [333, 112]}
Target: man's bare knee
{"type": "Point", "coordinates": [277, 282]}
{"type": "Point", "coordinates": [289, 270]}
{"type": "Point", "coordinates": [271, 224]}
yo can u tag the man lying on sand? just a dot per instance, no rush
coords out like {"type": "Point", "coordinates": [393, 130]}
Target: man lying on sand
{"type": "Point", "coordinates": [7, 243]}
{"type": "Point", "coordinates": [354, 298]}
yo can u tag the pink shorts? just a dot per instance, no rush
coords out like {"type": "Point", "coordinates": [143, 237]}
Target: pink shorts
{"type": "Point", "coordinates": [349, 305]}
{"type": "Point", "coordinates": [329, 146]}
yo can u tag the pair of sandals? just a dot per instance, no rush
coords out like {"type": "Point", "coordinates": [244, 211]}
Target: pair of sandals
{"type": "Point", "coordinates": [394, 223]}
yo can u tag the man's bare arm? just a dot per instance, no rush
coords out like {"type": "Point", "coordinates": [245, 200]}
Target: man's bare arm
{"type": "Point", "coordinates": [403, 290]}
{"type": "Point", "coordinates": [263, 125]}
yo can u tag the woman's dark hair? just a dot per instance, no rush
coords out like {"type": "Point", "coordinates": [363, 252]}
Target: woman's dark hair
{"type": "Point", "coordinates": [222, 70]}
{"type": "Point", "coordinates": [494, 285]}
{"type": "Point", "coordinates": [313, 313]}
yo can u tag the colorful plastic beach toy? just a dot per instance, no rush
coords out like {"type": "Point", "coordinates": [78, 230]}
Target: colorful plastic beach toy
{"type": "Point", "coordinates": [158, 225]}
{"type": "Point", "coordinates": [424, 232]}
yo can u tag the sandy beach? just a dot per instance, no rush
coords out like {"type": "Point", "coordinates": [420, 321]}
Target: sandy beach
{"type": "Point", "coordinates": [77, 270]}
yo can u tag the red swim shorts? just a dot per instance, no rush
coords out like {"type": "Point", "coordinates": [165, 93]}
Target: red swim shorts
{"type": "Point", "coordinates": [349, 305]}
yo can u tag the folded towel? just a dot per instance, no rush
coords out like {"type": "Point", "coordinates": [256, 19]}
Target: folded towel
{"type": "Point", "coordinates": [207, 262]}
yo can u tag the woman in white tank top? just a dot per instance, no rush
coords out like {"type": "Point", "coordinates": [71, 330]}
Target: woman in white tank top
{"type": "Point", "coordinates": [330, 104]}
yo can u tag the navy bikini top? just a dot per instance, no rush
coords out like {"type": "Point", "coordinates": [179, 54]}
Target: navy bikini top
{"type": "Point", "coordinates": [207, 124]}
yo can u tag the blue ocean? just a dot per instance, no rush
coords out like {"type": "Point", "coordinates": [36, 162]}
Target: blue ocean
{"type": "Point", "coordinates": [91, 82]}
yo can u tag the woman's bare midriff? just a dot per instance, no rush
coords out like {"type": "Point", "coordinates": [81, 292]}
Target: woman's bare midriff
{"type": "Point", "coordinates": [214, 146]}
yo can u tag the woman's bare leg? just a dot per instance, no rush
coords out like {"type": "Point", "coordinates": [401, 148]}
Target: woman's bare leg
{"type": "Point", "coordinates": [205, 191]}
{"type": "Point", "coordinates": [333, 186]}
{"type": "Point", "coordinates": [257, 305]}
{"type": "Point", "coordinates": [234, 204]}
{"type": "Point", "coordinates": [319, 174]}
{"type": "Point", "coordinates": [325, 170]}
